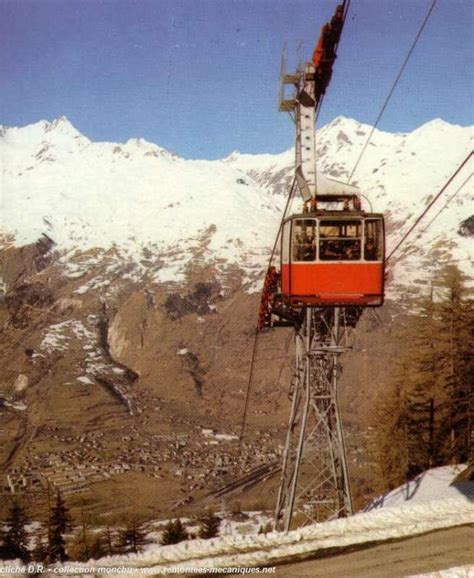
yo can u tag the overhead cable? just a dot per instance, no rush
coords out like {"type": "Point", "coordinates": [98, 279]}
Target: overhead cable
{"type": "Point", "coordinates": [453, 196]}
{"type": "Point", "coordinates": [256, 333]}
{"type": "Point", "coordinates": [392, 90]}
{"type": "Point", "coordinates": [437, 196]}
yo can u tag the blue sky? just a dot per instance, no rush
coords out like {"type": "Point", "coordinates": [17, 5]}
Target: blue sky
{"type": "Point", "coordinates": [200, 77]}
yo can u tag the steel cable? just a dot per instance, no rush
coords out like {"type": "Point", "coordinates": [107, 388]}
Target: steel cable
{"type": "Point", "coordinates": [392, 90]}
{"type": "Point", "coordinates": [256, 333]}
{"type": "Point", "coordinates": [433, 201]}
{"type": "Point", "coordinates": [346, 5]}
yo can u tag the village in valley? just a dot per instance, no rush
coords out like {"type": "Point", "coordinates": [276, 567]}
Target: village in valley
{"type": "Point", "coordinates": [197, 461]}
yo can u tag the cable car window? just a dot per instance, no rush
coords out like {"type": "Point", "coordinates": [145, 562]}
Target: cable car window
{"type": "Point", "coordinates": [340, 240]}
{"type": "Point", "coordinates": [373, 245]}
{"type": "Point", "coordinates": [304, 240]}
{"type": "Point", "coordinates": [340, 229]}
{"type": "Point", "coordinates": [285, 250]}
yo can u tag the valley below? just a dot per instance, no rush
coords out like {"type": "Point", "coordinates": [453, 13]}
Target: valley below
{"type": "Point", "coordinates": [145, 387]}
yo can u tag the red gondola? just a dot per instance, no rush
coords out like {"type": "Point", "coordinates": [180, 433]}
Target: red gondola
{"type": "Point", "coordinates": [328, 258]}
{"type": "Point", "coordinates": [332, 254]}
{"type": "Point", "coordinates": [333, 258]}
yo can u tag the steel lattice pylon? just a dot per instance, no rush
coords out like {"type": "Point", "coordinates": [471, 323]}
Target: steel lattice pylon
{"type": "Point", "coordinates": [315, 481]}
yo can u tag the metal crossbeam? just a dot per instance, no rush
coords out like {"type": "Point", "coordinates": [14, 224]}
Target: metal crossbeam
{"type": "Point", "coordinates": [314, 482]}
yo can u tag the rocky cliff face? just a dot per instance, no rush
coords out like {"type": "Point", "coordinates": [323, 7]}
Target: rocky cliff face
{"type": "Point", "coordinates": [128, 293]}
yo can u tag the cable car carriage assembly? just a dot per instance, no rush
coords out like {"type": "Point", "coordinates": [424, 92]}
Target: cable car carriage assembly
{"type": "Point", "coordinates": [329, 268]}
{"type": "Point", "coordinates": [327, 265]}
{"type": "Point", "coordinates": [332, 259]}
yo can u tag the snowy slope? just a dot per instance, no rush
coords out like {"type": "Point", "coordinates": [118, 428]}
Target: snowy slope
{"type": "Point", "coordinates": [433, 484]}
{"type": "Point", "coordinates": [274, 548]}
{"type": "Point", "coordinates": [160, 211]}
{"type": "Point", "coordinates": [436, 507]}
{"type": "Point", "coordinates": [134, 196]}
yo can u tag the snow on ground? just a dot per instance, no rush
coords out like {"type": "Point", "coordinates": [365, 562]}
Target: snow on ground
{"type": "Point", "coordinates": [82, 335]}
{"type": "Point", "coordinates": [18, 405]}
{"type": "Point", "coordinates": [430, 485]}
{"type": "Point", "coordinates": [269, 549]}
{"type": "Point", "coordinates": [437, 507]}
{"type": "Point", "coordinates": [57, 336]}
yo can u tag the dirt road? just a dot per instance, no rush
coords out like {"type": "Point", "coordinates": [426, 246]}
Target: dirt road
{"type": "Point", "coordinates": [427, 553]}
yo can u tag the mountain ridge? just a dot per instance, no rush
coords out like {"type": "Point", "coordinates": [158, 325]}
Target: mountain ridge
{"type": "Point", "coordinates": [137, 197]}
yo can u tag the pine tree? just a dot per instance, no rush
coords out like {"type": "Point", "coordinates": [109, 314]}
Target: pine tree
{"type": "Point", "coordinates": [40, 551]}
{"type": "Point", "coordinates": [265, 528]}
{"type": "Point", "coordinates": [389, 444]}
{"type": "Point", "coordinates": [456, 312]}
{"type": "Point", "coordinates": [98, 546]}
{"type": "Point", "coordinates": [209, 525]}
{"type": "Point", "coordinates": [174, 532]}
{"type": "Point", "coordinates": [133, 536]}
{"type": "Point", "coordinates": [108, 541]}
{"type": "Point", "coordinates": [87, 545]}
{"type": "Point", "coordinates": [15, 538]}
{"type": "Point", "coordinates": [422, 384]}
{"type": "Point", "coordinates": [423, 419]}
{"type": "Point", "coordinates": [79, 549]}
{"type": "Point", "coordinates": [58, 526]}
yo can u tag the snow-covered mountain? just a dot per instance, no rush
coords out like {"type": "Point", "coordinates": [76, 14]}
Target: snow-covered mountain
{"type": "Point", "coordinates": [95, 334]}
{"type": "Point", "coordinates": [137, 197]}
{"type": "Point", "coordinates": [162, 214]}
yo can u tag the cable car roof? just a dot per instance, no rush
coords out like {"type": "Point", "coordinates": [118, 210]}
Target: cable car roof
{"type": "Point", "coordinates": [343, 215]}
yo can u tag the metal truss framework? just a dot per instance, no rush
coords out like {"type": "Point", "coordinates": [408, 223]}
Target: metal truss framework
{"type": "Point", "coordinates": [315, 482]}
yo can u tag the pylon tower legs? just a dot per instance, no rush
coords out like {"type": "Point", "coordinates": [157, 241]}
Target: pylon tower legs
{"type": "Point", "coordinates": [315, 483]}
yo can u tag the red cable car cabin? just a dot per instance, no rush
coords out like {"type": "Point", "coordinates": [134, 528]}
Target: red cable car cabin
{"type": "Point", "coordinates": [333, 258]}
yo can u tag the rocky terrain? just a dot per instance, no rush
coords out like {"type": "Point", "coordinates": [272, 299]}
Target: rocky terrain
{"type": "Point", "coordinates": [129, 283]}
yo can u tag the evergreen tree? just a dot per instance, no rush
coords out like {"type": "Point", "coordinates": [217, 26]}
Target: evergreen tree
{"type": "Point", "coordinates": [209, 525]}
{"type": "Point", "coordinates": [174, 532]}
{"type": "Point", "coordinates": [98, 546]}
{"type": "Point", "coordinates": [439, 403]}
{"type": "Point", "coordinates": [79, 548]}
{"type": "Point", "coordinates": [76, 549]}
{"type": "Point", "coordinates": [265, 528]}
{"type": "Point", "coordinates": [87, 545]}
{"type": "Point", "coordinates": [108, 541]}
{"type": "Point", "coordinates": [389, 442]}
{"type": "Point", "coordinates": [422, 384]}
{"type": "Point", "coordinates": [40, 551]}
{"type": "Point", "coordinates": [15, 538]}
{"type": "Point", "coordinates": [456, 313]}
{"type": "Point", "coordinates": [58, 526]}
{"type": "Point", "coordinates": [133, 536]}
{"type": "Point", "coordinates": [423, 419]}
